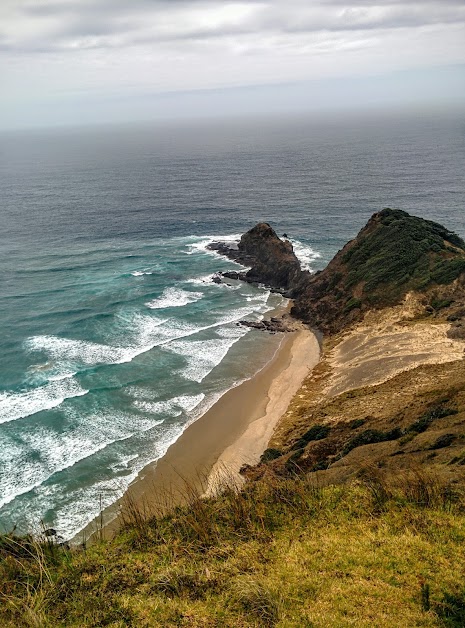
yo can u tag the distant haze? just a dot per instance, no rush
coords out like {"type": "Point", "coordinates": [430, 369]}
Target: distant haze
{"type": "Point", "coordinates": [95, 61]}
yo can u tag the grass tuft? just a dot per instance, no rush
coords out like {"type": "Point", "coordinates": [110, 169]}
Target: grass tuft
{"type": "Point", "coordinates": [255, 599]}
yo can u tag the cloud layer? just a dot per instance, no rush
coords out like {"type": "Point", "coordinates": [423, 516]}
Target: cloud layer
{"type": "Point", "coordinates": [52, 47]}
{"type": "Point", "coordinates": [70, 25]}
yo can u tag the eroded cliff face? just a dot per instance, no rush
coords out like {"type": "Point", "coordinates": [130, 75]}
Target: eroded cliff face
{"type": "Point", "coordinates": [388, 392]}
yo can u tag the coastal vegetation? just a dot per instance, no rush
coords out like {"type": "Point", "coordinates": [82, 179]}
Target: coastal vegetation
{"type": "Point", "coordinates": [394, 254]}
{"type": "Point", "coordinates": [414, 420]}
{"type": "Point", "coordinates": [400, 253]}
{"type": "Point", "coordinates": [284, 552]}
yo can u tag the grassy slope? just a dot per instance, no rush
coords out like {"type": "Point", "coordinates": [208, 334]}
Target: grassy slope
{"type": "Point", "coordinates": [394, 254]}
{"type": "Point", "coordinates": [281, 553]}
{"type": "Point", "coordinates": [395, 425]}
{"type": "Point", "coordinates": [400, 253]}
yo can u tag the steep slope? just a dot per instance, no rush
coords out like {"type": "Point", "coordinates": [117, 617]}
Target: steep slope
{"type": "Point", "coordinates": [394, 254]}
{"type": "Point", "coordinates": [389, 389]}
{"type": "Point", "coordinates": [385, 408]}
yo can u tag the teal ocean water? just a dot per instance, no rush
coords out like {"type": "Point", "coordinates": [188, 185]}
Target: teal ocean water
{"type": "Point", "coordinates": [113, 336]}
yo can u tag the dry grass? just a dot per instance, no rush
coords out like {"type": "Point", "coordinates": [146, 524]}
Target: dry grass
{"type": "Point", "coordinates": [281, 552]}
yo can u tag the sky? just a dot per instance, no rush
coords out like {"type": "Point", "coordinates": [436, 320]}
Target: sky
{"type": "Point", "coordinates": [94, 61]}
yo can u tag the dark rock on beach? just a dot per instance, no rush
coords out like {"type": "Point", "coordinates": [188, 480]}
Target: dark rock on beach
{"type": "Point", "coordinates": [232, 274]}
{"type": "Point", "coordinates": [272, 325]}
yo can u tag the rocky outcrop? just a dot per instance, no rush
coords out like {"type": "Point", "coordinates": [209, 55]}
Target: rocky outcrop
{"type": "Point", "coordinates": [272, 260]}
{"type": "Point", "coordinates": [394, 254]}
{"type": "Point", "coordinates": [273, 325]}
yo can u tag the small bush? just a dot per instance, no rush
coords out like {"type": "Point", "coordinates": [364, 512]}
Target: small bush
{"type": "Point", "coordinates": [414, 486]}
{"type": "Point", "coordinates": [422, 424]}
{"type": "Point", "coordinates": [443, 441]}
{"type": "Point", "coordinates": [439, 304]}
{"type": "Point", "coordinates": [257, 600]}
{"type": "Point", "coordinates": [356, 423]}
{"type": "Point", "coordinates": [460, 459]}
{"type": "Point", "coordinates": [178, 582]}
{"type": "Point", "coordinates": [446, 270]}
{"type": "Point", "coordinates": [270, 454]}
{"type": "Point", "coordinates": [292, 462]}
{"type": "Point", "coordinates": [368, 437]}
{"type": "Point", "coordinates": [406, 438]}
{"type": "Point", "coordinates": [452, 610]}
{"type": "Point", "coordinates": [317, 432]}
{"type": "Point", "coordinates": [352, 304]}
{"type": "Point", "coordinates": [321, 466]}
{"type": "Point", "coordinates": [425, 596]}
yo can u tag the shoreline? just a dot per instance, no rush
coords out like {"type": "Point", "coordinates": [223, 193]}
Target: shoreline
{"type": "Point", "coordinates": [303, 356]}
{"type": "Point", "coordinates": [234, 431]}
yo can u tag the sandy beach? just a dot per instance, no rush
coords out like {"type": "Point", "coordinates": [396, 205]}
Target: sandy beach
{"type": "Point", "coordinates": [234, 431]}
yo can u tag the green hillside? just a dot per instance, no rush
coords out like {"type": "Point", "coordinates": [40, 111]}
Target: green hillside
{"type": "Point", "coordinates": [395, 253]}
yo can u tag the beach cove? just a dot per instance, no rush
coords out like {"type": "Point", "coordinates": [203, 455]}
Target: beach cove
{"type": "Point", "coordinates": [234, 432]}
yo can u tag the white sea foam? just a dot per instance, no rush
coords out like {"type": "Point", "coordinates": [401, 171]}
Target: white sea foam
{"type": "Point", "coordinates": [174, 297]}
{"type": "Point", "coordinates": [58, 378]}
{"type": "Point", "coordinates": [83, 505]}
{"type": "Point", "coordinates": [147, 332]}
{"type": "Point", "coordinates": [202, 356]}
{"type": "Point", "coordinates": [45, 452]}
{"type": "Point", "coordinates": [76, 508]}
{"type": "Point", "coordinates": [158, 407]}
{"type": "Point", "coordinates": [18, 405]}
{"type": "Point", "coordinates": [150, 335]}
{"type": "Point", "coordinates": [305, 254]}
{"type": "Point", "coordinates": [124, 463]}
{"type": "Point", "coordinates": [201, 245]}
{"type": "Point", "coordinates": [208, 280]}
{"type": "Point", "coordinates": [39, 374]}
{"type": "Point", "coordinates": [141, 273]}
{"type": "Point", "coordinates": [172, 407]}
{"type": "Point", "coordinates": [141, 331]}
{"type": "Point", "coordinates": [202, 280]}
{"type": "Point", "coordinates": [80, 352]}
{"type": "Point", "coordinates": [66, 353]}
{"type": "Point", "coordinates": [189, 402]}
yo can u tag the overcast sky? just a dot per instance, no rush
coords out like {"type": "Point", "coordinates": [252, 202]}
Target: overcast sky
{"type": "Point", "coordinates": [72, 61]}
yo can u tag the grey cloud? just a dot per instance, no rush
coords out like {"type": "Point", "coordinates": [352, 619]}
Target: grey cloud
{"type": "Point", "coordinates": [62, 25]}
{"type": "Point", "coordinates": [395, 18]}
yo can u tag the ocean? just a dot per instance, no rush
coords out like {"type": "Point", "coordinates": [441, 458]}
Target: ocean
{"type": "Point", "coordinates": [113, 336]}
